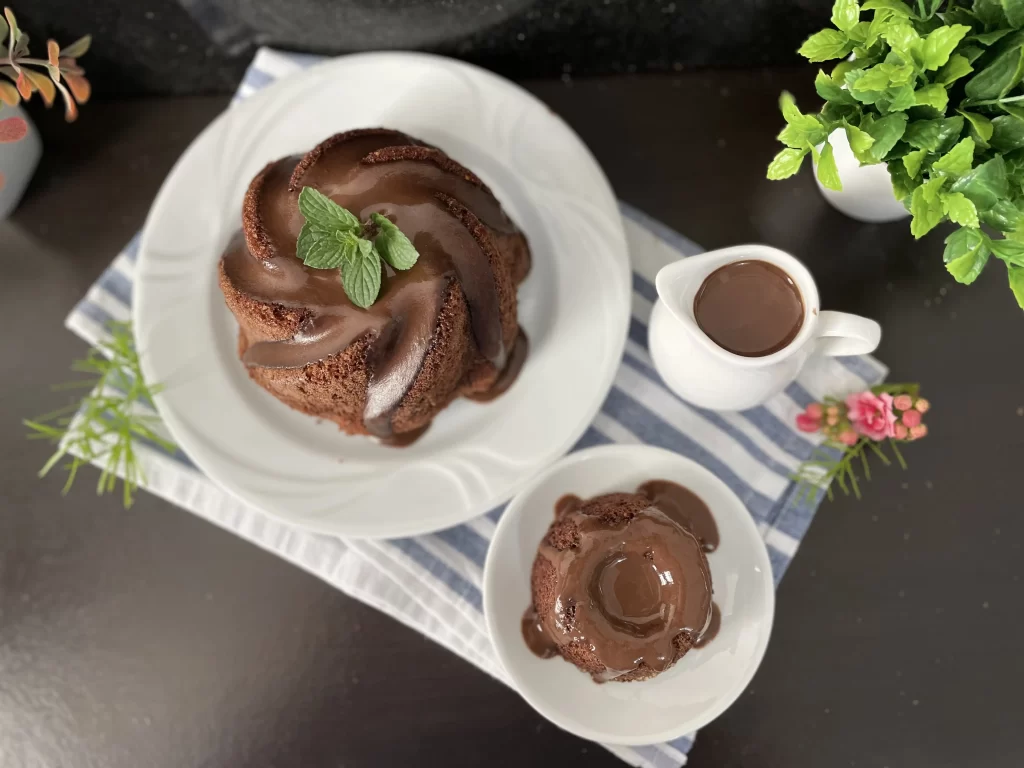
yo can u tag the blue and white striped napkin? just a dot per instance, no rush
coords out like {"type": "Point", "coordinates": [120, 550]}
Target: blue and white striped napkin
{"type": "Point", "coordinates": [432, 583]}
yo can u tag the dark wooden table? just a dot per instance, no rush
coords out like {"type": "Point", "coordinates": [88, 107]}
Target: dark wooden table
{"type": "Point", "coordinates": [150, 638]}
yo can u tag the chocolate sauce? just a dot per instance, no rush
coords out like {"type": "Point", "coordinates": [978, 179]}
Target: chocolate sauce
{"type": "Point", "coordinates": [402, 439]}
{"type": "Point", "coordinates": [432, 203]}
{"type": "Point", "coordinates": [749, 308]}
{"type": "Point", "coordinates": [712, 629]}
{"type": "Point", "coordinates": [509, 374]}
{"type": "Point", "coordinates": [684, 507]}
{"type": "Point", "coordinates": [627, 591]}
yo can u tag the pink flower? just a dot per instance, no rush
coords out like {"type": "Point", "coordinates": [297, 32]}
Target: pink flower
{"type": "Point", "coordinates": [922, 405]}
{"type": "Point", "coordinates": [918, 432]}
{"type": "Point", "coordinates": [807, 423]}
{"type": "Point", "coordinates": [814, 410]}
{"type": "Point", "coordinates": [901, 432]}
{"type": "Point", "coordinates": [903, 402]}
{"type": "Point", "coordinates": [911, 418]}
{"type": "Point", "coordinates": [848, 437]}
{"type": "Point", "coordinates": [872, 414]}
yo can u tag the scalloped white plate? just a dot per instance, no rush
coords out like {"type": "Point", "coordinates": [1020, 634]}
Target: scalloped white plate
{"type": "Point", "coordinates": [574, 306]}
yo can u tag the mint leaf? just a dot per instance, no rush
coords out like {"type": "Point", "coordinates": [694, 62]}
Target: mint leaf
{"type": "Point", "coordinates": [320, 210]}
{"type": "Point", "coordinates": [980, 128]}
{"type": "Point", "coordinates": [825, 45]}
{"type": "Point", "coordinates": [845, 14]}
{"type": "Point", "coordinates": [325, 249]}
{"type": "Point", "coordinates": [958, 66]}
{"type": "Point", "coordinates": [1002, 74]}
{"type": "Point", "coordinates": [886, 132]}
{"type": "Point", "coordinates": [1009, 251]}
{"type": "Point", "coordinates": [933, 96]}
{"type": "Point", "coordinates": [926, 207]}
{"type": "Point", "coordinates": [913, 161]}
{"type": "Point", "coordinates": [934, 135]}
{"type": "Point", "coordinates": [957, 161]}
{"type": "Point", "coordinates": [786, 163]}
{"type": "Point", "coordinates": [959, 209]}
{"type": "Point", "coordinates": [966, 254]}
{"type": "Point", "coordinates": [985, 185]}
{"type": "Point", "coordinates": [1007, 133]}
{"type": "Point", "coordinates": [360, 276]}
{"type": "Point", "coordinates": [392, 244]}
{"type": "Point", "coordinates": [939, 44]}
{"type": "Point", "coordinates": [828, 173]}
{"type": "Point", "coordinates": [1014, 10]}
{"type": "Point", "coordinates": [860, 142]}
{"type": "Point", "coordinates": [896, 6]}
{"type": "Point", "coordinates": [1016, 275]}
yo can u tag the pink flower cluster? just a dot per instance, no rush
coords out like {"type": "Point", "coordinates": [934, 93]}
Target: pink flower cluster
{"type": "Point", "coordinates": [875, 416]}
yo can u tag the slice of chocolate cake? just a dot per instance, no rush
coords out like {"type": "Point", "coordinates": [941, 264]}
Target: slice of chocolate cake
{"type": "Point", "coordinates": [445, 327]}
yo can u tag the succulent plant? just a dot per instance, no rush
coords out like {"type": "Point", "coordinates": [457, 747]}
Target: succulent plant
{"type": "Point", "coordinates": [57, 73]}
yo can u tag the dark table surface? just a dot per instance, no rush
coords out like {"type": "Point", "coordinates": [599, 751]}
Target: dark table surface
{"type": "Point", "coordinates": [148, 637]}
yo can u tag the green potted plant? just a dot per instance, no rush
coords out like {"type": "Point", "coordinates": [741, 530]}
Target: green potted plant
{"type": "Point", "coordinates": [21, 76]}
{"type": "Point", "coordinates": [932, 90]}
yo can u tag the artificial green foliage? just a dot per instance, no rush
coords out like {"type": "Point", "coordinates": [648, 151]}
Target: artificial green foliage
{"type": "Point", "coordinates": [933, 89]}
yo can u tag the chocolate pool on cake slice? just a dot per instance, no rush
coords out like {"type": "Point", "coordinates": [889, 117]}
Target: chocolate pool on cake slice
{"type": "Point", "coordinates": [374, 281]}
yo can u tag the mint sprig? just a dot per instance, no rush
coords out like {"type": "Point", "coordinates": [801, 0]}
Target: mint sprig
{"type": "Point", "coordinates": [334, 238]}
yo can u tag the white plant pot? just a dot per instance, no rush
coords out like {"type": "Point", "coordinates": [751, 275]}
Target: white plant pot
{"type": "Point", "coordinates": [18, 161]}
{"type": "Point", "coordinates": [867, 190]}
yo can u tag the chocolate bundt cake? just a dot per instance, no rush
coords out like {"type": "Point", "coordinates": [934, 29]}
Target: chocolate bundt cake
{"type": "Point", "coordinates": [444, 328]}
{"type": "Point", "coordinates": [620, 589]}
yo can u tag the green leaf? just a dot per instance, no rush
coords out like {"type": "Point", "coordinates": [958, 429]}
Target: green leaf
{"type": "Point", "coordinates": [958, 66]}
{"type": "Point", "coordinates": [839, 71]}
{"type": "Point", "coordinates": [959, 209]}
{"type": "Point", "coordinates": [825, 45]}
{"type": "Point", "coordinates": [360, 276]}
{"type": "Point", "coordinates": [861, 94]}
{"type": "Point", "coordinates": [902, 185]}
{"type": "Point", "coordinates": [3, 29]}
{"type": "Point", "coordinates": [934, 135]}
{"type": "Point", "coordinates": [987, 38]}
{"type": "Point", "coordinates": [1013, 109]}
{"type": "Point", "coordinates": [934, 96]}
{"type": "Point", "coordinates": [874, 79]}
{"type": "Point", "coordinates": [980, 127]}
{"type": "Point", "coordinates": [966, 254]}
{"type": "Point", "coordinates": [886, 132]}
{"type": "Point", "coordinates": [984, 185]}
{"type": "Point", "coordinates": [1009, 251]}
{"type": "Point", "coordinates": [990, 13]}
{"type": "Point", "coordinates": [896, 6]}
{"type": "Point", "coordinates": [898, 99]}
{"type": "Point", "coordinates": [804, 124]}
{"type": "Point", "coordinates": [78, 48]}
{"type": "Point", "coordinates": [858, 32]}
{"type": "Point", "coordinates": [325, 248]}
{"type": "Point", "coordinates": [828, 173]}
{"type": "Point", "coordinates": [392, 244]}
{"type": "Point", "coordinates": [1003, 215]}
{"type": "Point", "coordinates": [860, 142]}
{"type": "Point", "coordinates": [786, 163]}
{"type": "Point", "coordinates": [913, 161]}
{"type": "Point", "coordinates": [845, 14]}
{"type": "Point", "coordinates": [1014, 10]}
{"type": "Point", "coordinates": [926, 207]}
{"type": "Point", "coordinates": [829, 90]}
{"type": "Point", "coordinates": [995, 80]}
{"type": "Point", "coordinates": [1016, 275]}
{"type": "Point", "coordinates": [904, 40]}
{"type": "Point", "coordinates": [957, 161]}
{"type": "Point", "coordinates": [937, 47]}
{"type": "Point", "coordinates": [1007, 133]}
{"type": "Point", "coordinates": [320, 210]}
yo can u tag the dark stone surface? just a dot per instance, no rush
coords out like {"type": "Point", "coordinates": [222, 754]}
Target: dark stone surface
{"type": "Point", "coordinates": [151, 638]}
{"type": "Point", "coordinates": [191, 46]}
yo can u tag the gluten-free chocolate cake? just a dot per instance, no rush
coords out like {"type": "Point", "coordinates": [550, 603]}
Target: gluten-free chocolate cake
{"type": "Point", "coordinates": [446, 327]}
{"type": "Point", "coordinates": [621, 584]}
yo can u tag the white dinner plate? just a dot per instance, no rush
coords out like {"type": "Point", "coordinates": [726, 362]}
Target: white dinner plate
{"type": "Point", "coordinates": [574, 306]}
{"type": "Point", "coordinates": [702, 684]}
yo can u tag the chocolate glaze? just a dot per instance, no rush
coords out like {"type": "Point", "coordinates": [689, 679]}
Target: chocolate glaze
{"type": "Point", "coordinates": [627, 590]}
{"type": "Point", "coordinates": [749, 308]}
{"type": "Point", "coordinates": [433, 200]}
{"type": "Point", "coordinates": [509, 374]}
{"type": "Point", "coordinates": [684, 507]}
{"type": "Point", "coordinates": [713, 626]}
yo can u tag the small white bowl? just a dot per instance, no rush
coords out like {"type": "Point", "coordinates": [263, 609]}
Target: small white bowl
{"type": "Point", "coordinates": [706, 680]}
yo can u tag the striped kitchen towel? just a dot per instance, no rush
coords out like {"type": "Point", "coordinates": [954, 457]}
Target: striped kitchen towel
{"type": "Point", "coordinates": [433, 583]}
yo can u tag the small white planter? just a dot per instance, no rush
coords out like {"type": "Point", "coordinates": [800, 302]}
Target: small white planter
{"type": "Point", "coordinates": [867, 190]}
{"type": "Point", "coordinates": [18, 161]}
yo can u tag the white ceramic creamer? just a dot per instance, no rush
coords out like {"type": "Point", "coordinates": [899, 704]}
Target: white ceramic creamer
{"type": "Point", "coordinates": [700, 371]}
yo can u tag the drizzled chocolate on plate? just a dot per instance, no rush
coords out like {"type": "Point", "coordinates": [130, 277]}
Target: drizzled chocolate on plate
{"type": "Point", "coordinates": [621, 584]}
{"type": "Point", "coordinates": [444, 328]}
